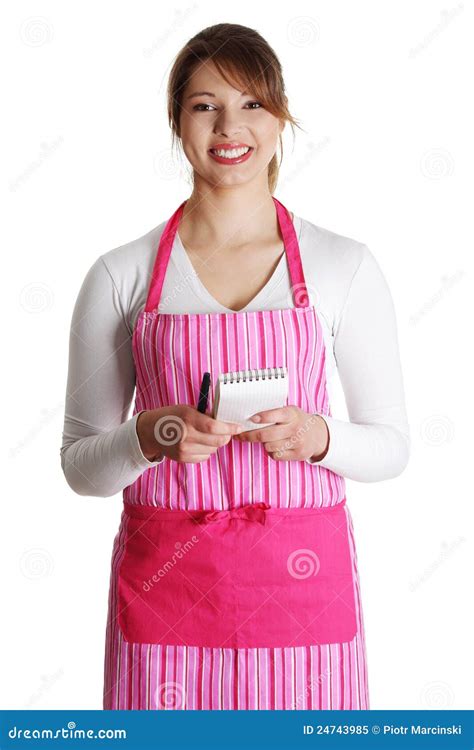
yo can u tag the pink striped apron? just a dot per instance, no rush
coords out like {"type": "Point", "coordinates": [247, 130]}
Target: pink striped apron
{"type": "Point", "coordinates": [234, 581]}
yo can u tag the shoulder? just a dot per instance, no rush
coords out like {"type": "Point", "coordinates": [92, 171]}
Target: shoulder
{"type": "Point", "coordinates": [133, 256]}
{"type": "Point", "coordinates": [336, 253]}
{"type": "Point", "coordinates": [128, 268]}
{"type": "Point", "coordinates": [330, 261]}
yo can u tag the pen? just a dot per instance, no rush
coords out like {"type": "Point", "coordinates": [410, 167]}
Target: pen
{"type": "Point", "coordinates": [203, 393]}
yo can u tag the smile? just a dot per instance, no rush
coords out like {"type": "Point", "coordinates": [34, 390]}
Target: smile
{"type": "Point", "coordinates": [231, 155]}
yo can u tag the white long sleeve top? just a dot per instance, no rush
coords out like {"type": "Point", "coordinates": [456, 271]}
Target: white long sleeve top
{"type": "Point", "coordinates": [101, 453]}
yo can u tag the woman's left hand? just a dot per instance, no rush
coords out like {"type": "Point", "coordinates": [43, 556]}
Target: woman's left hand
{"type": "Point", "coordinates": [295, 436]}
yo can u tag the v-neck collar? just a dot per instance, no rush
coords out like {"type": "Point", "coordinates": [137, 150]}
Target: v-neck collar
{"type": "Point", "coordinates": [184, 264]}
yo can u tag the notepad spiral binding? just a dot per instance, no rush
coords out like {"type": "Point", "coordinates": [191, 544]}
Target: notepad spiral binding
{"type": "Point", "coordinates": [263, 374]}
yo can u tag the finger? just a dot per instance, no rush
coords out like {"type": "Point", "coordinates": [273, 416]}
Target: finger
{"type": "Point", "coordinates": [281, 454]}
{"type": "Point", "coordinates": [200, 439]}
{"type": "Point", "coordinates": [265, 434]}
{"type": "Point", "coordinates": [281, 415]}
{"type": "Point", "coordinates": [208, 425]}
{"type": "Point", "coordinates": [280, 446]}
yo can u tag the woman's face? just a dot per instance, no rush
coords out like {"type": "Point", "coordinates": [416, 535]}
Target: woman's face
{"type": "Point", "coordinates": [214, 113]}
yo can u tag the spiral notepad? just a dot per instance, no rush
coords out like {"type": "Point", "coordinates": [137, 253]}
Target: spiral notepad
{"type": "Point", "coordinates": [239, 395]}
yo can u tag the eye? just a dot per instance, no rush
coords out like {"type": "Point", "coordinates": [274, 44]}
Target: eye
{"type": "Point", "coordinates": [196, 107]}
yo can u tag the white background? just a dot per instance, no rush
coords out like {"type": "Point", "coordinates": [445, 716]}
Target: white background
{"type": "Point", "coordinates": [382, 90]}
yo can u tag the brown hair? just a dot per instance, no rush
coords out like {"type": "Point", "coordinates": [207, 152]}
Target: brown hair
{"type": "Point", "coordinates": [241, 55]}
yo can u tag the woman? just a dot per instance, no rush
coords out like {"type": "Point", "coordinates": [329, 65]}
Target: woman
{"type": "Point", "coordinates": [234, 580]}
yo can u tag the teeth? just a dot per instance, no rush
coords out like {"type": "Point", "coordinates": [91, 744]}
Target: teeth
{"type": "Point", "coordinates": [232, 153]}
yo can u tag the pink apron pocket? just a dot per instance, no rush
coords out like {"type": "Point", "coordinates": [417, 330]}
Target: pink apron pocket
{"type": "Point", "coordinates": [237, 579]}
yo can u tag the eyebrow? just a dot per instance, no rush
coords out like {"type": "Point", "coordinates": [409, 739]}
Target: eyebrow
{"type": "Point", "coordinates": [208, 93]}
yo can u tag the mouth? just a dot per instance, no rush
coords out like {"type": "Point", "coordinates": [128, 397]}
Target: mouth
{"type": "Point", "coordinates": [232, 155]}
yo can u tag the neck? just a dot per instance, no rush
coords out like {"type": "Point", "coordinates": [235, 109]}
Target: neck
{"type": "Point", "coordinates": [233, 216]}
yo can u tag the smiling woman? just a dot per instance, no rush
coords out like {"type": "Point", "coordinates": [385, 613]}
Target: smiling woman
{"type": "Point", "coordinates": [248, 542]}
{"type": "Point", "coordinates": [228, 121]}
{"type": "Point", "coordinates": [221, 636]}
{"type": "Point", "coordinates": [255, 88]}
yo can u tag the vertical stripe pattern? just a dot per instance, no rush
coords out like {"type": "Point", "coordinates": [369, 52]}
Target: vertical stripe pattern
{"type": "Point", "coordinates": [156, 677]}
{"type": "Point", "coordinates": [171, 352]}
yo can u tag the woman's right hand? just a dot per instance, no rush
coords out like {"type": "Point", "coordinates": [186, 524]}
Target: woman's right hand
{"type": "Point", "coordinates": [182, 433]}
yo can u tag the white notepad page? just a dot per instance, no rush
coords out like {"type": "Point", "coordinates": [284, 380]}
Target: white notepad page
{"type": "Point", "coordinates": [239, 395]}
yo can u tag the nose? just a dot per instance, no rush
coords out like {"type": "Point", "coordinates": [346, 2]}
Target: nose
{"type": "Point", "coordinates": [228, 123]}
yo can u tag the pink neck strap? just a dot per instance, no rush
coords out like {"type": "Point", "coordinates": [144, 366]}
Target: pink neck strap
{"type": "Point", "coordinates": [298, 285]}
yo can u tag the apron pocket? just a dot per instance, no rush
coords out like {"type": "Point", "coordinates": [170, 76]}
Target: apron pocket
{"type": "Point", "coordinates": [237, 583]}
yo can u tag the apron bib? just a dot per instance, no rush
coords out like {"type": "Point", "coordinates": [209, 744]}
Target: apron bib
{"type": "Point", "coordinates": [239, 551]}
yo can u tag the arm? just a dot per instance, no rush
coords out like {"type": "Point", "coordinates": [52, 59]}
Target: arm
{"type": "Point", "coordinates": [375, 444]}
{"type": "Point", "coordinates": [101, 452]}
